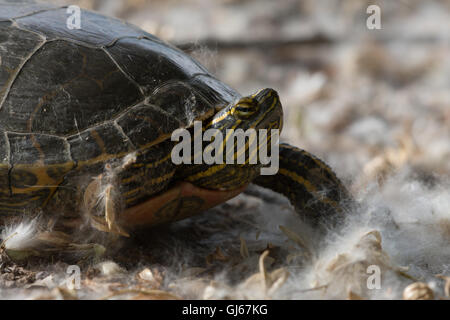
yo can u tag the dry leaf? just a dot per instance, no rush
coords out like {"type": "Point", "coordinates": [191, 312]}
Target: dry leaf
{"type": "Point", "coordinates": [353, 296]}
{"type": "Point", "coordinates": [418, 291]}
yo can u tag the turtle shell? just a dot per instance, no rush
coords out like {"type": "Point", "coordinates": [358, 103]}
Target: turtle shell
{"type": "Point", "coordinates": [73, 97]}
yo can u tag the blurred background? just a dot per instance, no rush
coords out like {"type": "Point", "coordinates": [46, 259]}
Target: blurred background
{"type": "Point", "coordinates": [374, 104]}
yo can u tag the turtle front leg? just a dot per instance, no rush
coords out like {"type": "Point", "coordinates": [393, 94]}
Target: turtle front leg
{"type": "Point", "coordinates": [310, 185]}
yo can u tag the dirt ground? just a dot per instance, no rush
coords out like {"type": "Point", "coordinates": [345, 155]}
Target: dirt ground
{"type": "Point", "coordinates": [373, 104]}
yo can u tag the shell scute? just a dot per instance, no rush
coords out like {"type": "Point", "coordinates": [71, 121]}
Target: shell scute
{"type": "Point", "coordinates": [65, 88]}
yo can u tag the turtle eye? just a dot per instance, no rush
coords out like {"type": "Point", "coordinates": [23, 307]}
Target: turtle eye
{"type": "Point", "coordinates": [244, 109]}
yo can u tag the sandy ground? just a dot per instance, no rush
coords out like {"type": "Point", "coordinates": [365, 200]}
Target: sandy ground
{"type": "Point", "coordinates": [374, 104]}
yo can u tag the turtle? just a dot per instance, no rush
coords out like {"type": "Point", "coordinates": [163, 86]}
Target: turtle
{"type": "Point", "coordinates": [87, 117]}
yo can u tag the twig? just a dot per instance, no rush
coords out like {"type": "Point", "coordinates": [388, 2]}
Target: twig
{"type": "Point", "coordinates": [311, 41]}
{"type": "Point", "coordinates": [261, 44]}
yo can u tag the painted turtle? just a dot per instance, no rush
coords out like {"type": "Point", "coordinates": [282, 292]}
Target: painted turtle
{"type": "Point", "coordinates": [86, 118]}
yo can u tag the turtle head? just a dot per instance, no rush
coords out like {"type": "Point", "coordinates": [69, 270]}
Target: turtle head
{"type": "Point", "coordinates": [233, 159]}
{"type": "Point", "coordinates": [261, 110]}
{"type": "Point", "coordinates": [255, 118]}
